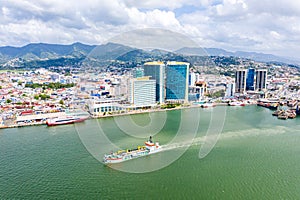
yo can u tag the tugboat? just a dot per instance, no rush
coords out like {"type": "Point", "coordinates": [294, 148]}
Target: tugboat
{"type": "Point", "coordinates": [124, 155]}
{"type": "Point", "coordinates": [284, 116]}
{"type": "Point", "coordinates": [291, 114]}
{"type": "Point", "coordinates": [278, 112]}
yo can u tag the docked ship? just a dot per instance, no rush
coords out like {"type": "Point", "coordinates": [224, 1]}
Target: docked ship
{"type": "Point", "coordinates": [65, 120]}
{"type": "Point", "coordinates": [208, 105]}
{"type": "Point", "coordinates": [236, 103]}
{"type": "Point", "coordinates": [123, 155]}
{"type": "Point", "coordinates": [272, 104]}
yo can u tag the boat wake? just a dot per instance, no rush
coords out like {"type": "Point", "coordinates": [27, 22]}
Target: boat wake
{"type": "Point", "coordinates": [278, 130]}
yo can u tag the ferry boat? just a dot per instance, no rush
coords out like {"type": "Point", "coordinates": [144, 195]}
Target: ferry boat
{"type": "Point", "coordinates": [65, 120]}
{"type": "Point", "coordinates": [124, 155]}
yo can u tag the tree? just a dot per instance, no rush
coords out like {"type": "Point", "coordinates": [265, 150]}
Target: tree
{"type": "Point", "coordinates": [8, 101]}
{"type": "Point", "coordinates": [36, 97]}
{"type": "Point", "coordinates": [44, 96]}
{"type": "Point", "coordinates": [61, 102]}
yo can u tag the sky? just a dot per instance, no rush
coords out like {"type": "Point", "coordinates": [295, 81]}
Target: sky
{"type": "Point", "coordinates": [267, 26]}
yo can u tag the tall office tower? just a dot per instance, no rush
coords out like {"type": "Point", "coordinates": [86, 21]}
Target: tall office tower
{"type": "Point", "coordinates": [250, 79]}
{"type": "Point", "coordinates": [156, 71]}
{"type": "Point", "coordinates": [261, 79]}
{"type": "Point", "coordinates": [177, 81]}
{"type": "Point", "coordinates": [240, 81]}
{"type": "Point", "coordinates": [141, 91]}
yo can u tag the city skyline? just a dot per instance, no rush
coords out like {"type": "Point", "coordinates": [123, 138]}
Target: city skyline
{"type": "Point", "coordinates": [234, 25]}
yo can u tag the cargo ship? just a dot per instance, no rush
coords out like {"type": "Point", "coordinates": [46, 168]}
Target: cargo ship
{"type": "Point", "coordinates": [65, 120]}
{"type": "Point", "coordinates": [123, 155]}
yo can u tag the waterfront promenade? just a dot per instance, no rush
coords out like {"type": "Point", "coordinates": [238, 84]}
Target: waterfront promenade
{"type": "Point", "coordinates": [40, 119]}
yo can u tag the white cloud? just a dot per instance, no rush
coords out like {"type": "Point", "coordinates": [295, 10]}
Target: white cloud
{"type": "Point", "coordinates": [254, 25]}
{"type": "Point", "coordinates": [231, 8]}
{"type": "Point", "coordinates": [155, 18]}
{"type": "Point", "coordinates": [158, 4]}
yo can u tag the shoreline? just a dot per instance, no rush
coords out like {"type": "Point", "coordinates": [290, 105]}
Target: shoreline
{"type": "Point", "coordinates": [154, 110]}
{"type": "Point", "coordinates": [116, 115]}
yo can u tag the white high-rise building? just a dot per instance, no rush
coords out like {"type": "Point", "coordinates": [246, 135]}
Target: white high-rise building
{"type": "Point", "coordinates": [240, 81]}
{"type": "Point", "coordinates": [230, 89]}
{"type": "Point", "coordinates": [193, 78]}
{"type": "Point", "coordinates": [141, 91]}
{"type": "Point", "coordinates": [261, 79]}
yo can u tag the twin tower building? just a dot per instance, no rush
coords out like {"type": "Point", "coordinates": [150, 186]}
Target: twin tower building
{"type": "Point", "coordinates": [250, 80]}
{"type": "Point", "coordinates": [159, 82]}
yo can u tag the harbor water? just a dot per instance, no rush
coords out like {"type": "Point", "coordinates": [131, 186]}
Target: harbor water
{"type": "Point", "coordinates": [256, 156]}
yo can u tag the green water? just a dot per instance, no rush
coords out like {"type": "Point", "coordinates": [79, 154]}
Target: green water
{"type": "Point", "coordinates": [256, 157]}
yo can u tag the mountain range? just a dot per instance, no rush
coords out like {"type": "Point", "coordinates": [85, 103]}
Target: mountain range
{"type": "Point", "coordinates": [41, 54]}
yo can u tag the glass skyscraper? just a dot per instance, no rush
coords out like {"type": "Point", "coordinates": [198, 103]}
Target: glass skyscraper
{"type": "Point", "coordinates": [156, 71]}
{"type": "Point", "coordinates": [177, 80]}
{"type": "Point", "coordinates": [250, 79]}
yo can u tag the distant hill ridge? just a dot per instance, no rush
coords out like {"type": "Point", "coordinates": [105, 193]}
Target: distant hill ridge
{"type": "Point", "coordinates": [113, 51]}
{"type": "Point", "coordinates": [39, 48]}
{"type": "Point", "coordinates": [242, 54]}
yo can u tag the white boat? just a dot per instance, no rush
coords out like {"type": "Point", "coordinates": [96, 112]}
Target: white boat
{"type": "Point", "coordinates": [208, 105]}
{"type": "Point", "coordinates": [236, 103]}
{"type": "Point", "coordinates": [65, 120]}
{"type": "Point", "coordinates": [124, 155]}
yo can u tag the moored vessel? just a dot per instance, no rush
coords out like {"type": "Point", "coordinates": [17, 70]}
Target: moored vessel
{"type": "Point", "coordinates": [291, 114]}
{"type": "Point", "coordinates": [272, 104]}
{"type": "Point", "coordinates": [208, 105]}
{"type": "Point", "coordinates": [278, 112]}
{"type": "Point", "coordinates": [65, 120]}
{"type": "Point", "coordinates": [236, 103]}
{"type": "Point", "coordinates": [283, 116]}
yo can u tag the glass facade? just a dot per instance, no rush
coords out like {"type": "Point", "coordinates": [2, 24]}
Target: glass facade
{"type": "Point", "coordinates": [156, 71]}
{"type": "Point", "coordinates": [250, 79]}
{"type": "Point", "coordinates": [177, 79]}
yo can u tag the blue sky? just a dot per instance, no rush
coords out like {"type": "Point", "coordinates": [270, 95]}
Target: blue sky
{"type": "Point", "coordinates": [268, 26]}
